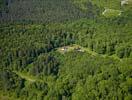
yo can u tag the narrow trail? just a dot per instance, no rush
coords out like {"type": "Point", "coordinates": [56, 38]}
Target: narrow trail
{"type": "Point", "coordinates": [26, 77]}
{"type": "Point", "coordinates": [62, 50]}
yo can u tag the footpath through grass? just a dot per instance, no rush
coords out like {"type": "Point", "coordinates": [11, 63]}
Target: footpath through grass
{"type": "Point", "coordinates": [26, 76]}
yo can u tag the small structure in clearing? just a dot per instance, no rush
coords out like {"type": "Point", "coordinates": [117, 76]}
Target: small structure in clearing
{"type": "Point", "coordinates": [126, 2]}
{"type": "Point", "coordinates": [64, 49]}
{"type": "Point", "coordinates": [69, 48]}
{"type": "Point", "coordinates": [79, 49]}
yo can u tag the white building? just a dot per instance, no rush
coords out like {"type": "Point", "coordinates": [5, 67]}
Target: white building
{"type": "Point", "coordinates": [124, 2]}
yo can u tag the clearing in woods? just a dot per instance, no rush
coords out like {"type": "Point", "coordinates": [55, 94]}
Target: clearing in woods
{"type": "Point", "coordinates": [75, 47]}
{"type": "Point", "coordinates": [111, 13]}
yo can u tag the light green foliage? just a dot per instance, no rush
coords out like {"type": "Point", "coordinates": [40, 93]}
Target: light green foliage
{"type": "Point", "coordinates": [113, 4]}
{"type": "Point", "coordinates": [97, 63]}
{"type": "Point", "coordinates": [111, 13]}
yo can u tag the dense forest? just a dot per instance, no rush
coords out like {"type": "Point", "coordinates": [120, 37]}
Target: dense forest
{"type": "Point", "coordinates": [65, 49]}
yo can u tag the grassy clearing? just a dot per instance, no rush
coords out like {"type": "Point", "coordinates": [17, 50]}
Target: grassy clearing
{"type": "Point", "coordinates": [75, 47]}
{"type": "Point", "coordinates": [111, 13]}
{"type": "Point", "coordinates": [113, 4]}
{"type": "Point", "coordinates": [70, 48]}
{"type": "Point", "coordinates": [26, 76]}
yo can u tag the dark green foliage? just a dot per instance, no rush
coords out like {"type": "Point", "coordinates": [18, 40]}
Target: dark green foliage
{"type": "Point", "coordinates": [45, 65]}
{"type": "Point", "coordinates": [31, 49]}
{"type": "Point", "coordinates": [45, 11]}
{"type": "Point", "coordinates": [10, 81]}
{"type": "Point", "coordinates": [124, 51]}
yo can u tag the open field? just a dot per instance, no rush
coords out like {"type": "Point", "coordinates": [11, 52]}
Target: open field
{"type": "Point", "coordinates": [78, 48]}
{"type": "Point", "coordinates": [111, 13]}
